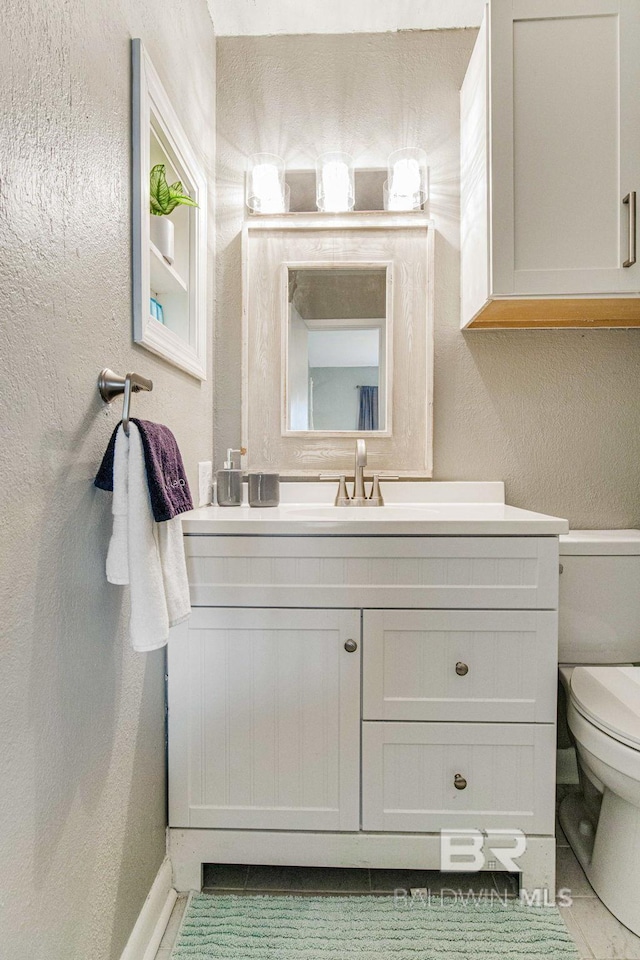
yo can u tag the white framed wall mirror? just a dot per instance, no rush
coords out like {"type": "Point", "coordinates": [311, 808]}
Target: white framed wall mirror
{"type": "Point", "coordinates": [338, 343]}
{"type": "Point", "coordinates": [170, 244]}
{"type": "Point", "coordinates": [338, 350]}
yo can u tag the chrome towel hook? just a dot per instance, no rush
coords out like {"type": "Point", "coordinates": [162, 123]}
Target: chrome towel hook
{"type": "Point", "coordinates": [111, 385]}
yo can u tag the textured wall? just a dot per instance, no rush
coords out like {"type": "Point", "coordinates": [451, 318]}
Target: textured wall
{"type": "Point", "coordinates": [556, 414]}
{"type": "Point", "coordinates": [82, 773]}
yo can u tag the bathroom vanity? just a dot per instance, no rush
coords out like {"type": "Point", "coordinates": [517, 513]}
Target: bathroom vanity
{"type": "Point", "coordinates": [353, 681]}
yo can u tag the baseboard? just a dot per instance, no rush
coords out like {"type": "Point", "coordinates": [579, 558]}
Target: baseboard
{"type": "Point", "coordinates": [153, 918]}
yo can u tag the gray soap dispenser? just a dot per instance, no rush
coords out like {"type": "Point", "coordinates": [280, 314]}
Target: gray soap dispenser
{"type": "Point", "coordinates": [229, 482]}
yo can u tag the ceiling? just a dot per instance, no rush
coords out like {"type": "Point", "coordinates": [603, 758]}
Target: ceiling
{"type": "Point", "coordinates": [264, 17]}
{"type": "Point", "coordinates": [339, 294]}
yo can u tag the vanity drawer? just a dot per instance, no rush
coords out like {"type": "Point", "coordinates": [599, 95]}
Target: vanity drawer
{"type": "Point", "coordinates": [409, 772]}
{"type": "Point", "coordinates": [329, 571]}
{"type": "Point", "coordinates": [471, 665]}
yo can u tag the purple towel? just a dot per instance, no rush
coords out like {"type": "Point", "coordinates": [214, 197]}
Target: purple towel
{"type": "Point", "coordinates": [168, 487]}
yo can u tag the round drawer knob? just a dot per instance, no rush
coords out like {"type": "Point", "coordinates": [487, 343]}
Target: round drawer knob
{"type": "Point", "coordinates": [351, 646]}
{"type": "Point", "coordinates": [459, 782]}
{"type": "Point", "coordinates": [462, 669]}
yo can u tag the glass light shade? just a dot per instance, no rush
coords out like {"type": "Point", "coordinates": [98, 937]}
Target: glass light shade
{"type": "Point", "coordinates": [266, 191]}
{"type": "Point", "coordinates": [335, 191]}
{"type": "Point", "coordinates": [406, 186]}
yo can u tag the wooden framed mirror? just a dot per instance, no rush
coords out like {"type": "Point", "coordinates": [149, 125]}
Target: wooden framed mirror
{"type": "Point", "coordinates": [338, 342]}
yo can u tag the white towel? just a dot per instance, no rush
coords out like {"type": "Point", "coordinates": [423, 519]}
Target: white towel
{"type": "Point", "coordinates": [149, 556]}
{"type": "Point", "coordinates": [174, 570]}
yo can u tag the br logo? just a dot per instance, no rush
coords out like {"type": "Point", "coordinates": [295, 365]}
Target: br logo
{"type": "Point", "coordinates": [464, 850]}
{"type": "Point", "coordinates": [468, 851]}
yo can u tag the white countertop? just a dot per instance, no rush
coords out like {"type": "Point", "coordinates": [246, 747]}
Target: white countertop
{"type": "Point", "coordinates": [411, 509]}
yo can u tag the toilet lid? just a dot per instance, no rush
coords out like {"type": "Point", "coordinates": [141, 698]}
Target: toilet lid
{"type": "Point", "coordinates": [609, 697]}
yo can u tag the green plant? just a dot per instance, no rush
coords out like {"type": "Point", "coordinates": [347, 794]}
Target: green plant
{"type": "Point", "coordinates": [166, 197]}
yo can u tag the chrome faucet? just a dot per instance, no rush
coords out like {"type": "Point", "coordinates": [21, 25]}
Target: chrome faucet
{"type": "Point", "coordinates": [359, 498]}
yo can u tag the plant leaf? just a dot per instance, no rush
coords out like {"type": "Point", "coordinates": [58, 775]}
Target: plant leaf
{"type": "Point", "coordinates": [175, 192]}
{"type": "Point", "coordinates": [154, 179]}
{"type": "Point", "coordinates": [159, 190]}
{"type": "Point", "coordinates": [164, 198]}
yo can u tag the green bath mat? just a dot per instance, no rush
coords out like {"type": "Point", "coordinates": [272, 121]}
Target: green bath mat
{"type": "Point", "coordinates": [368, 928]}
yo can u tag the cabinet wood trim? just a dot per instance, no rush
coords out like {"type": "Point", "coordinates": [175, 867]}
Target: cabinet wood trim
{"type": "Point", "coordinates": [560, 312]}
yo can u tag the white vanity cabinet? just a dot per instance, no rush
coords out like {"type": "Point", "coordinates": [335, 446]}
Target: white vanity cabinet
{"type": "Point", "coordinates": [340, 700]}
{"type": "Point", "coordinates": [550, 149]}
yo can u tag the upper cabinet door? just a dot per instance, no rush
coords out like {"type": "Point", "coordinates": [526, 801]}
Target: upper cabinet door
{"type": "Point", "coordinates": [564, 145]}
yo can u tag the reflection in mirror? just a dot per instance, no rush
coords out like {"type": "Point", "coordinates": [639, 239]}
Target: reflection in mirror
{"type": "Point", "coordinates": [336, 378]}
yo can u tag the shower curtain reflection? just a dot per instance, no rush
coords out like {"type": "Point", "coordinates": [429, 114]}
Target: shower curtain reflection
{"type": "Point", "coordinates": [368, 408]}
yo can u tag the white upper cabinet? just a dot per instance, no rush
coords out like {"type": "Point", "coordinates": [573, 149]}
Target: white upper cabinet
{"type": "Point", "coordinates": [550, 149]}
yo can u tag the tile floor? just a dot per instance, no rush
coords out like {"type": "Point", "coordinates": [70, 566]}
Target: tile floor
{"type": "Point", "coordinates": [597, 933]}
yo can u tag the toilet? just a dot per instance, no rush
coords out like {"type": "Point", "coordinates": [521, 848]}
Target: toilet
{"type": "Point", "coordinates": [599, 653]}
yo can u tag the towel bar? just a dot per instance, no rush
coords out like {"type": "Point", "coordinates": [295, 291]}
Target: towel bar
{"type": "Point", "coordinates": [111, 385]}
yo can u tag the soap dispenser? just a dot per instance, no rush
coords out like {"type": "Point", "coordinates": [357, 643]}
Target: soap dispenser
{"type": "Point", "coordinates": [229, 482]}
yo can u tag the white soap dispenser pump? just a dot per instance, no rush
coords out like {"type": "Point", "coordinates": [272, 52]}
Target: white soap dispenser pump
{"type": "Point", "coordinates": [229, 481]}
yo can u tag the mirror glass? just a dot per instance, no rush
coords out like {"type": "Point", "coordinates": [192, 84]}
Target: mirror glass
{"type": "Point", "coordinates": [336, 377]}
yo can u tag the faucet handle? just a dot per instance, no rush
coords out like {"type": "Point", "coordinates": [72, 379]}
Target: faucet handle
{"type": "Point", "coordinates": [342, 496]}
{"type": "Point", "coordinates": [376, 499]}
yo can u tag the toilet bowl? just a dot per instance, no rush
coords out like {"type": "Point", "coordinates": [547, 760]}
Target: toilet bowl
{"type": "Point", "coordinates": [600, 626]}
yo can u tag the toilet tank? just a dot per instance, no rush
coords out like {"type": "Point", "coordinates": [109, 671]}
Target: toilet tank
{"type": "Point", "coordinates": [599, 613]}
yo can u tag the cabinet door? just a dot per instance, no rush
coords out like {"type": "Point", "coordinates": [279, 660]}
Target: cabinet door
{"type": "Point", "coordinates": [471, 665]}
{"type": "Point", "coordinates": [565, 144]}
{"type": "Point", "coordinates": [264, 714]}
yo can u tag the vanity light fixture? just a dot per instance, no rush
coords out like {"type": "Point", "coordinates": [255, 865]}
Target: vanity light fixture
{"type": "Point", "coordinates": [406, 186]}
{"type": "Point", "coordinates": [335, 191]}
{"type": "Point", "coordinates": [266, 190]}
